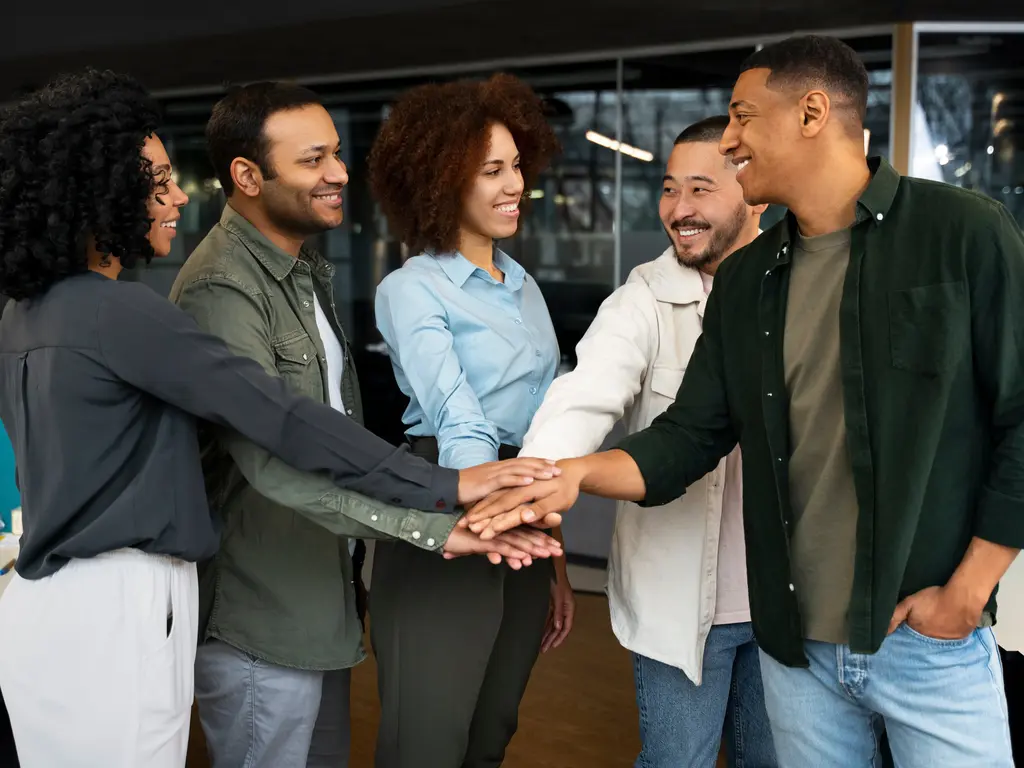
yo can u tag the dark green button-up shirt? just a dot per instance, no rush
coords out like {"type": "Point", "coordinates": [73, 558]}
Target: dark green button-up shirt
{"type": "Point", "coordinates": [932, 366]}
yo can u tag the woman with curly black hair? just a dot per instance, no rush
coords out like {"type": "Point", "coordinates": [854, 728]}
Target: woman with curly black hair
{"type": "Point", "coordinates": [473, 347]}
{"type": "Point", "coordinates": [100, 386]}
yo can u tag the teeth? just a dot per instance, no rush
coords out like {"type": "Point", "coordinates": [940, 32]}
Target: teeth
{"type": "Point", "coordinates": [332, 198]}
{"type": "Point", "coordinates": [741, 165]}
{"type": "Point", "coordinates": [691, 232]}
{"type": "Point", "coordinates": [508, 208]}
{"type": "Point", "coordinates": [170, 224]}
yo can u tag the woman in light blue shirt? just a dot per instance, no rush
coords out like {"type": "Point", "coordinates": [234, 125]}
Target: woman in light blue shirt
{"type": "Point", "coordinates": [473, 347]}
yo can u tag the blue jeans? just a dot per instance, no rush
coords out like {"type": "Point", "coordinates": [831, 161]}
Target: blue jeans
{"type": "Point", "coordinates": [682, 724]}
{"type": "Point", "coordinates": [940, 702]}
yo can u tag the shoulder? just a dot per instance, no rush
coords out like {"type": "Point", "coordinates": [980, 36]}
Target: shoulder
{"type": "Point", "coordinates": [419, 278]}
{"type": "Point", "coordinates": [220, 258]}
{"type": "Point", "coordinates": [750, 260]}
{"type": "Point", "coordinates": [946, 204]}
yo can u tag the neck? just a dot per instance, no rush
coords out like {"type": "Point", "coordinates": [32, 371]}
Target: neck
{"type": "Point", "coordinates": [828, 199]}
{"type": "Point", "coordinates": [288, 242]}
{"type": "Point", "coordinates": [477, 249]}
{"type": "Point", "coordinates": [102, 263]}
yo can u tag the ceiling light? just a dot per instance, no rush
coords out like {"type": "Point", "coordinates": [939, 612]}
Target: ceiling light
{"type": "Point", "coordinates": [618, 146]}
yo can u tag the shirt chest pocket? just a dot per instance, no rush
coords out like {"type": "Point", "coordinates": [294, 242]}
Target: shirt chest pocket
{"type": "Point", "coordinates": [929, 327]}
{"type": "Point", "coordinates": [295, 360]}
{"type": "Point", "coordinates": [665, 383]}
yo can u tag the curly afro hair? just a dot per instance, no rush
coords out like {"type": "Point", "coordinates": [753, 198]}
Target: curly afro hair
{"type": "Point", "coordinates": [436, 137]}
{"type": "Point", "coordinates": [71, 167]}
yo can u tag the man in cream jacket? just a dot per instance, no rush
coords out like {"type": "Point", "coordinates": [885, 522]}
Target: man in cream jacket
{"type": "Point", "coordinates": [677, 582]}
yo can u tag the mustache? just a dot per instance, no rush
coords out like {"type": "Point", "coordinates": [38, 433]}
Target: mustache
{"type": "Point", "coordinates": [690, 223]}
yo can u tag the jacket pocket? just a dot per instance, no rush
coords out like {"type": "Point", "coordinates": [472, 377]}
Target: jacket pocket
{"type": "Point", "coordinates": [664, 385]}
{"type": "Point", "coordinates": [928, 327]}
{"type": "Point", "coordinates": [295, 359]}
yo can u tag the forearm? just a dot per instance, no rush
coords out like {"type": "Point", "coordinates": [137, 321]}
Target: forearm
{"type": "Point", "coordinates": [342, 511]}
{"type": "Point", "coordinates": [980, 570]}
{"type": "Point", "coordinates": [611, 475]}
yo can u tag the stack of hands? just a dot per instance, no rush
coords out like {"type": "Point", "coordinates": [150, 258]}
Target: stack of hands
{"type": "Point", "coordinates": [501, 523]}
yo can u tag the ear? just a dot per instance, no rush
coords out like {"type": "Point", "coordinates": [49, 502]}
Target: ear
{"type": "Point", "coordinates": [247, 176]}
{"type": "Point", "coordinates": [815, 109]}
{"type": "Point", "coordinates": [757, 210]}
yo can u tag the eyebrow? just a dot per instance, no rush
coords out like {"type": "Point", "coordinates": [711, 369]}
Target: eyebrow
{"type": "Point", "coordinates": [695, 177]}
{"type": "Point", "coordinates": [319, 148]}
{"type": "Point", "coordinates": [496, 161]}
{"type": "Point", "coordinates": [739, 104]}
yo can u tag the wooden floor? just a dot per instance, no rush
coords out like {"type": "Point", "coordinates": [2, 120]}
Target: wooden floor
{"type": "Point", "coordinates": [579, 710]}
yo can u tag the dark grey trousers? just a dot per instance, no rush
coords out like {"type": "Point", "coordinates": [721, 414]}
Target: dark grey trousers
{"type": "Point", "coordinates": [455, 642]}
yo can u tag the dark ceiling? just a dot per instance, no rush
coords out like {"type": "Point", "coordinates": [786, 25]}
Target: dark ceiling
{"type": "Point", "coordinates": [199, 44]}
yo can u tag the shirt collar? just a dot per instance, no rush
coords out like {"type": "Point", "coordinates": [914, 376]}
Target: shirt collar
{"type": "Point", "coordinates": [275, 260]}
{"type": "Point", "coordinates": [459, 269]}
{"type": "Point", "coordinates": [873, 206]}
{"type": "Point", "coordinates": [673, 283]}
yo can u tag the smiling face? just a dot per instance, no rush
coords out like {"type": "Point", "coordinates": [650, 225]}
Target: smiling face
{"type": "Point", "coordinates": [764, 139]}
{"type": "Point", "coordinates": [702, 207]}
{"type": "Point", "coordinates": [302, 196]}
{"type": "Point", "coordinates": [490, 206]}
{"type": "Point", "coordinates": [166, 200]}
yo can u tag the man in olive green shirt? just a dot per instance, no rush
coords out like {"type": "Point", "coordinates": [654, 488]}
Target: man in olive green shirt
{"type": "Point", "coordinates": [279, 628]}
{"type": "Point", "coordinates": [867, 353]}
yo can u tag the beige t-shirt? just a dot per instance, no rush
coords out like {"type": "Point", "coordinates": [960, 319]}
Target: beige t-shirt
{"type": "Point", "coordinates": [732, 604]}
{"type": "Point", "coordinates": [821, 487]}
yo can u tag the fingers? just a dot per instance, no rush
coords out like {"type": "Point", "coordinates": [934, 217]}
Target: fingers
{"type": "Point", "coordinates": [533, 542]}
{"type": "Point", "coordinates": [497, 503]}
{"type": "Point", "coordinates": [542, 469]}
{"type": "Point", "coordinates": [899, 615]}
{"type": "Point", "coordinates": [489, 529]}
{"type": "Point", "coordinates": [568, 613]}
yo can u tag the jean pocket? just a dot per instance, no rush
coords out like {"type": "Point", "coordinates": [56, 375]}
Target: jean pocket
{"type": "Point", "coordinates": [959, 642]}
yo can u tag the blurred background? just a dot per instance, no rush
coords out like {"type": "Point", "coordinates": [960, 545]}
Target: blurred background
{"type": "Point", "coordinates": [620, 80]}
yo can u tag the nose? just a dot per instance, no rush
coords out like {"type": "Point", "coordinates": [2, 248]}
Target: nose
{"type": "Point", "coordinates": [514, 184]}
{"type": "Point", "coordinates": [180, 199]}
{"type": "Point", "coordinates": [684, 208]}
{"type": "Point", "coordinates": [336, 172]}
{"type": "Point", "coordinates": [730, 138]}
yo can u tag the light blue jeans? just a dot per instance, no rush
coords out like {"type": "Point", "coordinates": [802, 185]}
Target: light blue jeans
{"type": "Point", "coordinates": [940, 701]}
{"type": "Point", "coordinates": [682, 724]}
{"type": "Point", "coordinates": [259, 715]}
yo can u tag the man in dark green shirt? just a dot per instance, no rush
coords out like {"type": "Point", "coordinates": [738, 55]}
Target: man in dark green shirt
{"type": "Point", "coordinates": [868, 355]}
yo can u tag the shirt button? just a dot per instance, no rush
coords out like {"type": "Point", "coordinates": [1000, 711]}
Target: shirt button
{"type": "Point", "coordinates": [766, 333]}
{"type": "Point", "coordinates": [373, 518]}
{"type": "Point", "coordinates": [305, 303]}
{"type": "Point", "coordinates": [879, 216]}
{"type": "Point", "coordinates": [349, 411]}
{"type": "Point", "coordinates": [537, 352]}
{"type": "Point", "coordinates": [430, 542]}
{"type": "Point", "coordinates": [769, 394]}
{"type": "Point", "coordinates": [792, 588]}
{"type": "Point", "coordinates": [305, 356]}
{"type": "Point", "coordinates": [768, 273]}
{"type": "Point", "coordinates": [416, 535]}
{"type": "Point", "coordinates": [533, 390]}
{"type": "Point", "coordinates": [519, 321]}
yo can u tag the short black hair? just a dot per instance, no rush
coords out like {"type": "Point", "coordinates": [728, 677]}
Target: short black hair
{"type": "Point", "coordinates": [236, 126]}
{"type": "Point", "coordinates": [71, 167]}
{"type": "Point", "coordinates": [816, 61]}
{"type": "Point", "coordinates": [710, 129]}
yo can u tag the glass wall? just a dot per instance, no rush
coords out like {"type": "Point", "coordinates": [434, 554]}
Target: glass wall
{"type": "Point", "coordinates": [968, 119]}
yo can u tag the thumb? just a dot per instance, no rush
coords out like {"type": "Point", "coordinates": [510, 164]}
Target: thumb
{"type": "Point", "coordinates": [901, 614]}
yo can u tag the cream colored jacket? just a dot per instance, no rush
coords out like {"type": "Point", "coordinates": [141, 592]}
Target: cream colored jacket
{"type": "Point", "coordinates": [664, 561]}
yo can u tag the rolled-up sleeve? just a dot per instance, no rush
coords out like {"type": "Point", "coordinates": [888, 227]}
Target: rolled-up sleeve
{"type": "Point", "coordinates": [412, 321]}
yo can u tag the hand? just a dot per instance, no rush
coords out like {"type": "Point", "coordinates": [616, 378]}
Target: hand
{"type": "Point", "coordinates": [539, 505]}
{"type": "Point", "coordinates": [517, 547]}
{"type": "Point", "coordinates": [939, 612]}
{"type": "Point", "coordinates": [476, 482]}
{"type": "Point", "coordinates": [561, 611]}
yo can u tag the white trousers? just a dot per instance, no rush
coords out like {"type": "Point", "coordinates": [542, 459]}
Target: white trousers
{"type": "Point", "coordinates": [96, 662]}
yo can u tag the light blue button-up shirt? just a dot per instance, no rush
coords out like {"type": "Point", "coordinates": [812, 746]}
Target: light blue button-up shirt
{"type": "Point", "coordinates": [473, 355]}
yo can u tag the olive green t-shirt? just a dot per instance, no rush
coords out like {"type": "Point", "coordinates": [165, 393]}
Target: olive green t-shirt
{"type": "Point", "coordinates": [821, 484]}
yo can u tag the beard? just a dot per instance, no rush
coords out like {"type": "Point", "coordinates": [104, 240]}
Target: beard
{"type": "Point", "coordinates": [291, 210]}
{"type": "Point", "coordinates": [723, 238]}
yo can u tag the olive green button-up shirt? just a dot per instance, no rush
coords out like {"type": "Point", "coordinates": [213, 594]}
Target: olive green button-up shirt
{"type": "Point", "coordinates": [281, 585]}
{"type": "Point", "coordinates": [932, 366]}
